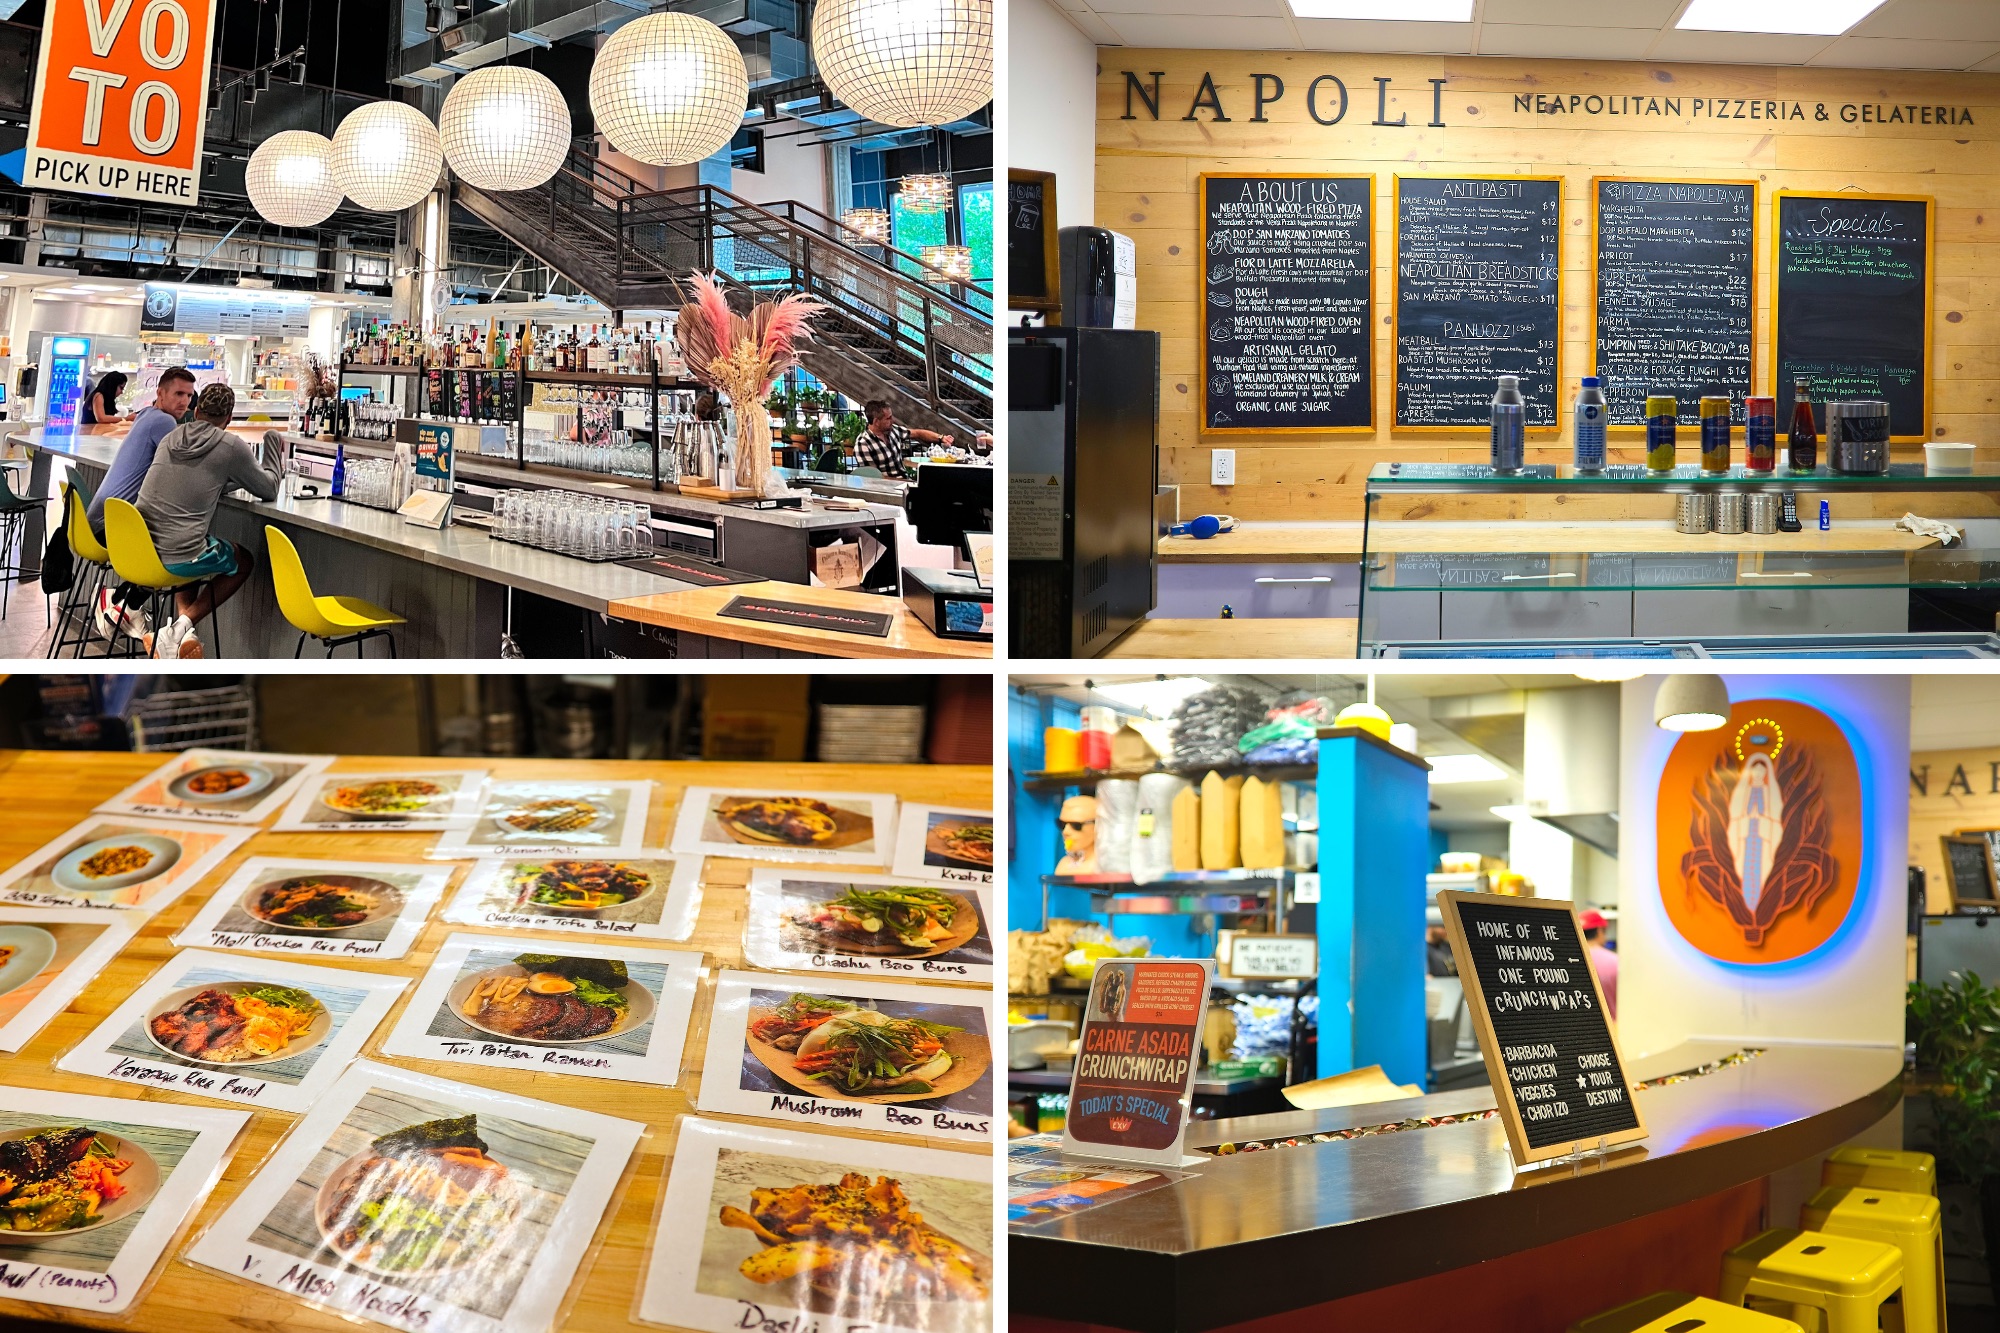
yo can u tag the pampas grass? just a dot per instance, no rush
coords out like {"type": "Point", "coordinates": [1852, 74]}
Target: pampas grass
{"type": "Point", "coordinates": [741, 356]}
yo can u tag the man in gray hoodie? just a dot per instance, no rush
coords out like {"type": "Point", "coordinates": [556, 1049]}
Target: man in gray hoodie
{"type": "Point", "coordinates": [194, 465]}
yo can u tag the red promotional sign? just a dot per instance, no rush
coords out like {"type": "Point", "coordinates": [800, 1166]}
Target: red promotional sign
{"type": "Point", "coordinates": [1135, 1062]}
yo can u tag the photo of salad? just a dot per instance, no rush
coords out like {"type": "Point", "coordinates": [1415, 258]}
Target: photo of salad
{"type": "Point", "coordinates": [69, 1178]}
{"type": "Point", "coordinates": [323, 903]}
{"type": "Point", "coordinates": [956, 840]}
{"type": "Point", "coordinates": [907, 921]}
{"type": "Point", "coordinates": [383, 798]}
{"type": "Point", "coordinates": [544, 998]}
{"type": "Point", "coordinates": [833, 1047]}
{"type": "Point", "coordinates": [792, 821]}
{"type": "Point", "coordinates": [239, 1023]}
{"type": "Point", "coordinates": [578, 886]}
{"type": "Point", "coordinates": [422, 1200]}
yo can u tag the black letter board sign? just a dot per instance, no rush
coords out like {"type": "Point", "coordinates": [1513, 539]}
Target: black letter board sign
{"type": "Point", "coordinates": [1287, 275]}
{"type": "Point", "coordinates": [1033, 275]}
{"type": "Point", "coordinates": [1543, 1029]}
{"type": "Point", "coordinates": [1853, 312]}
{"type": "Point", "coordinates": [1478, 296]}
{"type": "Point", "coordinates": [1672, 274]}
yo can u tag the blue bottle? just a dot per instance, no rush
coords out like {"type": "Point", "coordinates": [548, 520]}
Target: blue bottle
{"type": "Point", "coordinates": [1825, 516]}
{"type": "Point", "coordinates": [1590, 422]}
{"type": "Point", "coordinates": [339, 470]}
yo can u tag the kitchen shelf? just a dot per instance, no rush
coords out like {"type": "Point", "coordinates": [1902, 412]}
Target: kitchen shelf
{"type": "Point", "coordinates": [1182, 893]}
{"type": "Point", "coordinates": [1629, 478]}
{"type": "Point", "coordinates": [1047, 781]}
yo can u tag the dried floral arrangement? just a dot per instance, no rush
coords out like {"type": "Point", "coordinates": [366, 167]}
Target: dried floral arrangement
{"type": "Point", "coordinates": [742, 356]}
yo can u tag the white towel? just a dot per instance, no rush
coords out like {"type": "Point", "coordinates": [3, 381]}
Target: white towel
{"type": "Point", "coordinates": [1931, 527]}
{"type": "Point", "coordinates": [1153, 852]}
{"type": "Point", "coordinates": [1117, 817]}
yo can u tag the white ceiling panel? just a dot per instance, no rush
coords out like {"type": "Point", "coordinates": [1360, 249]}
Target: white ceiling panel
{"type": "Point", "coordinates": [1649, 14]}
{"type": "Point", "coordinates": [1229, 32]}
{"type": "Point", "coordinates": [1377, 35]}
{"type": "Point", "coordinates": [1738, 48]}
{"type": "Point", "coordinates": [1969, 20]}
{"type": "Point", "coordinates": [1526, 39]}
{"type": "Point", "coordinates": [1905, 53]}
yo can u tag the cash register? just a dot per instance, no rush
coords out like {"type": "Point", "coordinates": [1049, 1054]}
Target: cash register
{"type": "Point", "coordinates": [951, 504]}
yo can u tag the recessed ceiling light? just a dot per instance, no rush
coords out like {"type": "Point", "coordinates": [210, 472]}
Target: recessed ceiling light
{"type": "Point", "coordinates": [1447, 768]}
{"type": "Point", "coordinates": [1425, 11]}
{"type": "Point", "coordinates": [98, 287]}
{"type": "Point", "coordinates": [1513, 814]}
{"type": "Point", "coordinates": [1819, 18]}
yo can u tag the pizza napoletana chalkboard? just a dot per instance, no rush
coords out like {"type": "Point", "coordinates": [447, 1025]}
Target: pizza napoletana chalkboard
{"type": "Point", "coordinates": [1287, 304]}
{"type": "Point", "coordinates": [1478, 296]}
{"type": "Point", "coordinates": [1542, 1024]}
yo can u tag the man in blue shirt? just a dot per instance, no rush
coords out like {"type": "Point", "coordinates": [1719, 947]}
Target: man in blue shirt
{"type": "Point", "coordinates": [128, 473]}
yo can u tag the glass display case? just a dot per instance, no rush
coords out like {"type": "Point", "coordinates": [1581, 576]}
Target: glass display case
{"type": "Point", "coordinates": [1457, 558]}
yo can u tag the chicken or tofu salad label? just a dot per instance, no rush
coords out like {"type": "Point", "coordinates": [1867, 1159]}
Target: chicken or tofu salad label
{"type": "Point", "coordinates": [854, 828]}
{"type": "Point", "coordinates": [868, 925]}
{"type": "Point", "coordinates": [645, 895]}
{"type": "Point", "coordinates": [307, 908]}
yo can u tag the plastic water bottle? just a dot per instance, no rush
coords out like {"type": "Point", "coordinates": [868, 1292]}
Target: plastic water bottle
{"type": "Point", "coordinates": [1509, 425]}
{"type": "Point", "coordinates": [1590, 423]}
{"type": "Point", "coordinates": [339, 470]}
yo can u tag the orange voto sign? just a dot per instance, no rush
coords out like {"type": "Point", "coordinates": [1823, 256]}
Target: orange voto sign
{"type": "Point", "coordinates": [121, 95]}
{"type": "Point", "coordinates": [1759, 829]}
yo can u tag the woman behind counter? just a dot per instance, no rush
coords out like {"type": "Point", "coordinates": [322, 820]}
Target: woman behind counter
{"type": "Point", "coordinates": [100, 405]}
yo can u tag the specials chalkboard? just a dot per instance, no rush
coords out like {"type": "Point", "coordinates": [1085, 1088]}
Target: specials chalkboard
{"type": "Point", "coordinates": [1478, 296]}
{"type": "Point", "coordinates": [1286, 281]}
{"type": "Point", "coordinates": [1673, 271]}
{"type": "Point", "coordinates": [1033, 275]}
{"type": "Point", "coordinates": [1968, 868]}
{"type": "Point", "coordinates": [1853, 312]}
{"type": "Point", "coordinates": [1542, 1024]}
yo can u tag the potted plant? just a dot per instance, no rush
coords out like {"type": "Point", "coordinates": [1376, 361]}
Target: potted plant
{"type": "Point", "coordinates": [1956, 1031]}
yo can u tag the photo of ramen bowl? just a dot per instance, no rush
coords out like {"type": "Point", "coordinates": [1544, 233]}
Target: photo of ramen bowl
{"type": "Point", "coordinates": [229, 1024]}
{"type": "Point", "coordinates": [551, 1001]}
{"type": "Point", "coordinates": [384, 798]}
{"type": "Point", "coordinates": [420, 1202]}
{"type": "Point", "coordinates": [322, 904]}
{"type": "Point", "coordinates": [24, 952]}
{"type": "Point", "coordinates": [554, 817]}
{"type": "Point", "coordinates": [107, 864]}
{"type": "Point", "coordinates": [65, 1179]}
{"type": "Point", "coordinates": [221, 782]}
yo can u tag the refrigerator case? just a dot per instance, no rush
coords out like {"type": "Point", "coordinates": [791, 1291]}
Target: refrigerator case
{"type": "Point", "coordinates": [1083, 428]}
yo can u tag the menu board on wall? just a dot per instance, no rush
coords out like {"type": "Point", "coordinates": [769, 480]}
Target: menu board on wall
{"type": "Point", "coordinates": [176, 307]}
{"type": "Point", "coordinates": [1478, 296]}
{"type": "Point", "coordinates": [1542, 1025]}
{"type": "Point", "coordinates": [1853, 304]}
{"type": "Point", "coordinates": [1673, 268]}
{"type": "Point", "coordinates": [1287, 271]}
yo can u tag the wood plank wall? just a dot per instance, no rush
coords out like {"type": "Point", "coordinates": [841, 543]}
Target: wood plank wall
{"type": "Point", "coordinates": [1147, 172]}
{"type": "Point", "coordinates": [1950, 790]}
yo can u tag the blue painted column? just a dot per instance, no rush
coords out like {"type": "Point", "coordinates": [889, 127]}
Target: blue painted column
{"type": "Point", "coordinates": [1374, 851]}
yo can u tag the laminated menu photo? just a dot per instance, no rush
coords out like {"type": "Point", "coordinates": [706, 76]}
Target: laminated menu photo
{"type": "Point", "coordinates": [384, 802]}
{"type": "Point", "coordinates": [47, 957]}
{"type": "Point", "coordinates": [767, 1229]}
{"type": "Point", "coordinates": [934, 842]}
{"type": "Point", "coordinates": [602, 1010]}
{"type": "Point", "coordinates": [258, 1031]}
{"type": "Point", "coordinates": [912, 1060]}
{"type": "Point", "coordinates": [426, 1205]}
{"type": "Point", "coordinates": [808, 921]}
{"type": "Point", "coordinates": [218, 786]}
{"type": "Point", "coordinates": [549, 818]}
{"type": "Point", "coordinates": [642, 895]}
{"type": "Point", "coordinates": [318, 909]}
{"type": "Point", "coordinates": [771, 823]}
{"type": "Point", "coordinates": [98, 1189]}
{"type": "Point", "coordinates": [115, 861]}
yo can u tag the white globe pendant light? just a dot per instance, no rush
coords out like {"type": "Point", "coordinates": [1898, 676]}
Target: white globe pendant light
{"type": "Point", "coordinates": [504, 128]}
{"type": "Point", "coordinates": [669, 89]}
{"type": "Point", "coordinates": [907, 62]}
{"type": "Point", "coordinates": [386, 156]}
{"type": "Point", "coordinates": [290, 179]}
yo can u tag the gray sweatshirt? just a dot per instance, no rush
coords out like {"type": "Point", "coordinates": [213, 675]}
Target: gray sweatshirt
{"type": "Point", "coordinates": [194, 465]}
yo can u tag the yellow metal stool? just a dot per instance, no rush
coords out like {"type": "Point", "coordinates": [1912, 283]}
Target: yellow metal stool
{"type": "Point", "coordinates": [1678, 1312]}
{"type": "Point", "coordinates": [137, 561]}
{"type": "Point", "coordinates": [1881, 1169]}
{"type": "Point", "coordinates": [1847, 1280]}
{"type": "Point", "coordinates": [334, 621]}
{"type": "Point", "coordinates": [1910, 1222]}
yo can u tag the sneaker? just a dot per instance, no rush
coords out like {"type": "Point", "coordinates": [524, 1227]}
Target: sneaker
{"type": "Point", "coordinates": [189, 646]}
{"type": "Point", "coordinates": [106, 614]}
{"type": "Point", "coordinates": [115, 618]}
{"type": "Point", "coordinates": [167, 643]}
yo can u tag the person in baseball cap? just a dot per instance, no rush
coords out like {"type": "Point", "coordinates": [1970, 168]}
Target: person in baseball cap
{"type": "Point", "coordinates": [1602, 960]}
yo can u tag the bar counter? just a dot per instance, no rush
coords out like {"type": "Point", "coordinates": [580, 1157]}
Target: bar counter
{"type": "Point", "coordinates": [1280, 1231]}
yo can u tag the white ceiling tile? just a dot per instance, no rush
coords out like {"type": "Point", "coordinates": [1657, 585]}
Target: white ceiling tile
{"type": "Point", "coordinates": [1094, 28]}
{"type": "Point", "coordinates": [1935, 20]}
{"type": "Point", "coordinates": [1273, 9]}
{"type": "Point", "coordinates": [1225, 33]}
{"type": "Point", "coordinates": [1897, 53]}
{"type": "Point", "coordinates": [1386, 36]}
{"type": "Point", "coordinates": [1527, 39]}
{"type": "Point", "coordinates": [1989, 66]}
{"type": "Point", "coordinates": [1738, 48]}
{"type": "Point", "coordinates": [1651, 14]}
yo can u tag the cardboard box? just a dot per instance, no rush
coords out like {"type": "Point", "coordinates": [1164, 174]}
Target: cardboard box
{"type": "Point", "coordinates": [756, 718]}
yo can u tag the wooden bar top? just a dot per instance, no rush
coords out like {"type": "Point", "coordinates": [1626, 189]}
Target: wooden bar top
{"type": "Point", "coordinates": [696, 612]}
{"type": "Point", "coordinates": [45, 792]}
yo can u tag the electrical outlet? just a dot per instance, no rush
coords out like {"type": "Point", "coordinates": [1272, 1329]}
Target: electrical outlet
{"type": "Point", "coordinates": [1222, 467]}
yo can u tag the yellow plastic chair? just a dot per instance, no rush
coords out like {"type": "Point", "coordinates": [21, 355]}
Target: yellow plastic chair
{"type": "Point", "coordinates": [81, 599]}
{"type": "Point", "coordinates": [1845, 1279]}
{"type": "Point", "coordinates": [1913, 1223]}
{"type": "Point", "coordinates": [137, 560]}
{"type": "Point", "coordinates": [1678, 1312]}
{"type": "Point", "coordinates": [334, 621]}
{"type": "Point", "coordinates": [1880, 1169]}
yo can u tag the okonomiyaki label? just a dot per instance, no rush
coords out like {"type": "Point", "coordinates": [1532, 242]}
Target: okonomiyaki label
{"type": "Point", "coordinates": [1135, 1062]}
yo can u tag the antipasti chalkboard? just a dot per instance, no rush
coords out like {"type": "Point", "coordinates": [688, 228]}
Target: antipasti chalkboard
{"type": "Point", "coordinates": [1543, 1029]}
{"type": "Point", "coordinates": [1286, 283]}
{"type": "Point", "coordinates": [1853, 305]}
{"type": "Point", "coordinates": [1673, 272]}
{"type": "Point", "coordinates": [1478, 296]}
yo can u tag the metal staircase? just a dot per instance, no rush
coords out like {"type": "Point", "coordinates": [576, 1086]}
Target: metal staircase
{"type": "Point", "coordinates": [895, 328]}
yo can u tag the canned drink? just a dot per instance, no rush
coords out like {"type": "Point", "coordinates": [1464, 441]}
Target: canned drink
{"type": "Point", "coordinates": [1760, 434]}
{"type": "Point", "coordinates": [1662, 417]}
{"type": "Point", "coordinates": [1714, 434]}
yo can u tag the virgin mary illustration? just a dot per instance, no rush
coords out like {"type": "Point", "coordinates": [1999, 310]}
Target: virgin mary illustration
{"type": "Point", "coordinates": [1756, 825]}
{"type": "Point", "coordinates": [1761, 832]}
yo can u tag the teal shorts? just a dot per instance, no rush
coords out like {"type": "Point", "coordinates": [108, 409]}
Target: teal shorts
{"type": "Point", "coordinates": [217, 561]}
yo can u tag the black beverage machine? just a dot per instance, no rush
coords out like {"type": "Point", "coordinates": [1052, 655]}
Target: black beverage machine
{"type": "Point", "coordinates": [1083, 415]}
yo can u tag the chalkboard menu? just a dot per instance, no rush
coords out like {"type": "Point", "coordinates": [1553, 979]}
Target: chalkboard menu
{"type": "Point", "coordinates": [1674, 273]}
{"type": "Point", "coordinates": [1542, 1024]}
{"type": "Point", "coordinates": [1853, 311]}
{"type": "Point", "coordinates": [1968, 868]}
{"type": "Point", "coordinates": [1478, 296]}
{"type": "Point", "coordinates": [1032, 271]}
{"type": "Point", "coordinates": [1287, 277]}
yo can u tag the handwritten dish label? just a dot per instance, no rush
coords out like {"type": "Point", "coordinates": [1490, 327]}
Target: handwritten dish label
{"type": "Point", "coordinates": [385, 802]}
{"type": "Point", "coordinates": [651, 895]}
{"type": "Point", "coordinates": [950, 846]}
{"type": "Point", "coordinates": [318, 909]}
{"type": "Point", "coordinates": [218, 786]}
{"type": "Point", "coordinates": [549, 818]}
{"type": "Point", "coordinates": [868, 925]}
{"type": "Point", "coordinates": [119, 862]}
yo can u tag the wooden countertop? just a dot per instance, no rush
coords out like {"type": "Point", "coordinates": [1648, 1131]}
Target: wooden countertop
{"type": "Point", "coordinates": [1224, 639]}
{"type": "Point", "coordinates": [1339, 543]}
{"type": "Point", "coordinates": [47, 792]}
{"type": "Point", "coordinates": [696, 612]}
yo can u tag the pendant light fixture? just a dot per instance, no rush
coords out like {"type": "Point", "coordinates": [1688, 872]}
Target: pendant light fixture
{"type": "Point", "coordinates": [926, 192]}
{"type": "Point", "coordinates": [669, 89]}
{"type": "Point", "coordinates": [907, 62]}
{"type": "Point", "coordinates": [869, 225]}
{"type": "Point", "coordinates": [1691, 703]}
{"type": "Point", "coordinates": [290, 179]}
{"type": "Point", "coordinates": [954, 261]}
{"type": "Point", "coordinates": [386, 156]}
{"type": "Point", "coordinates": [504, 127]}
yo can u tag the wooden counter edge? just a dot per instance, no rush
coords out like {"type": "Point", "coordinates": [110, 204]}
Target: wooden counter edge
{"type": "Point", "coordinates": [696, 611]}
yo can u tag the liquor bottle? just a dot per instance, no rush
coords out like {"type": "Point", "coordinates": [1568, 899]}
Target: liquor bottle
{"type": "Point", "coordinates": [339, 470]}
{"type": "Point", "coordinates": [1803, 454]}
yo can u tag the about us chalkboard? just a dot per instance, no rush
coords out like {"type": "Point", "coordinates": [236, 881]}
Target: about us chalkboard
{"type": "Point", "coordinates": [1673, 272]}
{"type": "Point", "coordinates": [1543, 1028]}
{"type": "Point", "coordinates": [1286, 292]}
{"type": "Point", "coordinates": [1853, 312]}
{"type": "Point", "coordinates": [1478, 296]}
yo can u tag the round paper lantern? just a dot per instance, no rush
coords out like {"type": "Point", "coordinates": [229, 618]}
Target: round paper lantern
{"type": "Point", "coordinates": [669, 89]}
{"type": "Point", "coordinates": [504, 128]}
{"type": "Point", "coordinates": [907, 62]}
{"type": "Point", "coordinates": [290, 179]}
{"type": "Point", "coordinates": [386, 156]}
